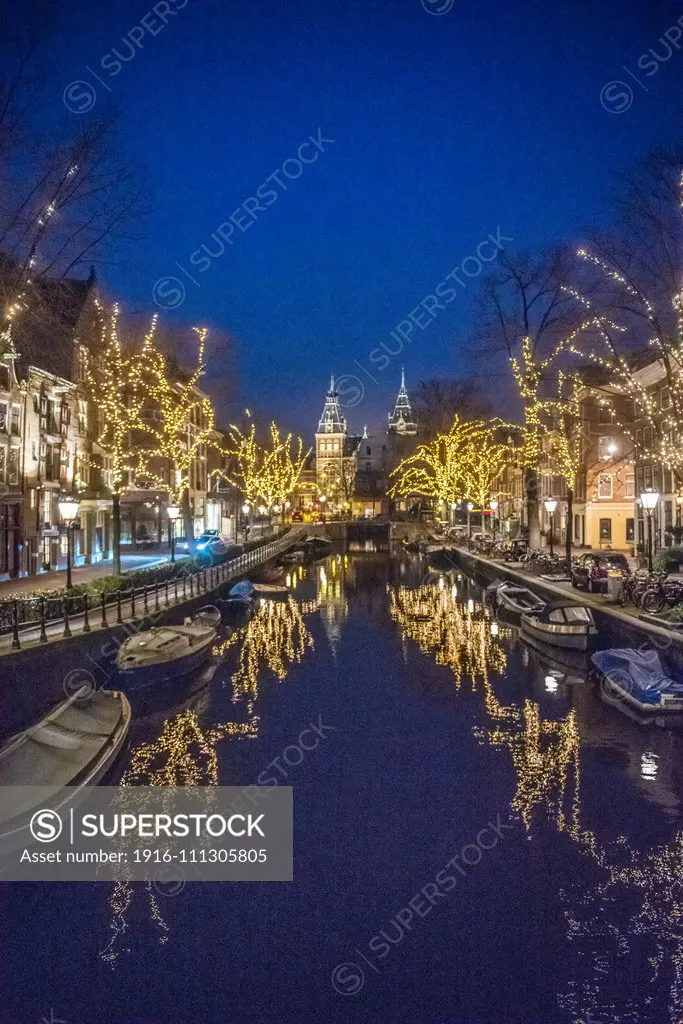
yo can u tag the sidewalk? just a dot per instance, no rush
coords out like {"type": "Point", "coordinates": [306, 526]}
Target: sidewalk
{"type": "Point", "coordinates": [82, 573]}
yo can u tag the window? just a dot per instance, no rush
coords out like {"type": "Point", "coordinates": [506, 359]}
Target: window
{"type": "Point", "coordinates": [577, 528]}
{"type": "Point", "coordinates": [630, 530]}
{"type": "Point", "coordinates": [606, 447]}
{"type": "Point", "coordinates": [336, 446]}
{"type": "Point", "coordinates": [630, 486]}
{"type": "Point", "coordinates": [14, 426]}
{"type": "Point", "coordinates": [666, 398]}
{"type": "Point", "coordinates": [605, 530]}
{"type": "Point", "coordinates": [604, 414]}
{"type": "Point", "coordinates": [639, 438]}
{"type": "Point", "coordinates": [13, 466]}
{"type": "Point", "coordinates": [605, 485]}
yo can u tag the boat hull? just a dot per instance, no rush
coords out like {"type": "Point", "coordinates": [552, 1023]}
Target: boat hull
{"type": "Point", "coordinates": [147, 675]}
{"type": "Point", "coordinates": [575, 638]}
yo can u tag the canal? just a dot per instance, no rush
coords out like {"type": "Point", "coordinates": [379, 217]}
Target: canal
{"type": "Point", "coordinates": [477, 836]}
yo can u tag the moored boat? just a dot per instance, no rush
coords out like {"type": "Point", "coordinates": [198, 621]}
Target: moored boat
{"type": "Point", "coordinates": [73, 746]}
{"type": "Point", "coordinates": [640, 684]}
{"type": "Point", "coordinates": [169, 652]}
{"type": "Point", "coordinates": [561, 626]}
{"type": "Point", "coordinates": [519, 599]}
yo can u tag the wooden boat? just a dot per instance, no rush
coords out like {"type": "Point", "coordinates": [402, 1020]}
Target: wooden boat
{"type": "Point", "coordinates": [561, 626]}
{"type": "Point", "coordinates": [639, 684]}
{"type": "Point", "coordinates": [73, 746]}
{"type": "Point", "coordinates": [519, 599]}
{"type": "Point", "coordinates": [272, 574]}
{"type": "Point", "coordinates": [270, 590]}
{"type": "Point", "coordinates": [209, 615]}
{"type": "Point", "coordinates": [291, 558]}
{"type": "Point", "coordinates": [169, 652]}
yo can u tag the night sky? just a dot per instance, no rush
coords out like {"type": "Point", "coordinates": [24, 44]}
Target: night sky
{"type": "Point", "coordinates": [447, 127]}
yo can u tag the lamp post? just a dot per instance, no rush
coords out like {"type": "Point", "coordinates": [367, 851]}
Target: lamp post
{"type": "Point", "coordinates": [550, 506]}
{"type": "Point", "coordinates": [172, 511]}
{"type": "Point", "coordinates": [648, 500]}
{"type": "Point", "coordinates": [453, 508]}
{"type": "Point", "coordinates": [493, 505]}
{"type": "Point", "coordinates": [469, 506]}
{"type": "Point", "coordinates": [68, 510]}
{"type": "Point", "coordinates": [323, 499]}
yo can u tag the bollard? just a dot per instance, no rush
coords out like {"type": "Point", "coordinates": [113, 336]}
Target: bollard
{"type": "Point", "coordinates": [146, 604]}
{"type": "Point", "coordinates": [43, 634]}
{"type": "Point", "coordinates": [67, 627]}
{"type": "Point", "coordinates": [104, 611]}
{"type": "Point", "coordinates": [119, 616]}
{"type": "Point", "coordinates": [15, 625]}
{"type": "Point", "coordinates": [86, 620]}
{"type": "Point", "coordinates": [132, 603]}
{"type": "Point", "coordinates": [157, 606]}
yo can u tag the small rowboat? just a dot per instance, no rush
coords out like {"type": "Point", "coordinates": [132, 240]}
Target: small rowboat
{"type": "Point", "coordinates": [73, 746]}
{"type": "Point", "coordinates": [169, 652]}
{"type": "Point", "coordinates": [562, 626]}
{"type": "Point", "coordinates": [519, 599]}
{"type": "Point", "coordinates": [640, 685]}
{"type": "Point", "coordinates": [272, 574]}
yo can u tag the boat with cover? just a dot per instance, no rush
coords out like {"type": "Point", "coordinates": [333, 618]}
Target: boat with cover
{"type": "Point", "coordinates": [518, 599]}
{"type": "Point", "coordinates": [169, 652]}
{"type": "Point", "coordinates": [72, 747]}
{"type": "Point", "coordinates": [638, 680]}
{"type": "Point", "coordinates": [568, 625]}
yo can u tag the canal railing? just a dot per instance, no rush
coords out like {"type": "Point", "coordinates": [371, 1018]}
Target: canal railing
{"type": "Point", "coordinates": [38, 620]}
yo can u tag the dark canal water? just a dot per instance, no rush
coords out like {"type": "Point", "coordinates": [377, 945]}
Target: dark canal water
{"type": "Point", "coordinates": [442, 739]}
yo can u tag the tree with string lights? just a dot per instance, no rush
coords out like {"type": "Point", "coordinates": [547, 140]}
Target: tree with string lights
{"type": "Point", "coordinates": [181, 426]}
{"type": "Point", "coordinates": [565, 440]}
{"type": "Point", "coordinates": [117, 390]}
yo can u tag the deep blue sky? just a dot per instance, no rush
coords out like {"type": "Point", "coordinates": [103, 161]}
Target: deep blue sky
{"type": "Point", "coordinates": [446, 127]}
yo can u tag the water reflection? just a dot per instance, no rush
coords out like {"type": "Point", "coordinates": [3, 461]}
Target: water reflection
{"type": "Point", "coordinates": [460, 635]}
{"type": "Point", "coordinates": [626, 918]}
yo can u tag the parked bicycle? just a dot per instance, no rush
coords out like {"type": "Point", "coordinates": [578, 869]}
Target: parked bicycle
{"type": "Point", "coordinates": [661, 593]}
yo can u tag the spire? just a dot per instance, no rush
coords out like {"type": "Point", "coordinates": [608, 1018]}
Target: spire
{"type": "Point", "coordinates": [402, 420]}
{"type": "Point", "coordinates": [331, 420]}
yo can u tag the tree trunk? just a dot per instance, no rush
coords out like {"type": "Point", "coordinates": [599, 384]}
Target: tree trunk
{"type": "Point", "coordinates": [116, 532]}
{"type": "Point", "coordinates": [188, 524]}
{"type": "Point", "coordinates": [570, 528]}
{"type": "Point", "coordinates": [533, 520]}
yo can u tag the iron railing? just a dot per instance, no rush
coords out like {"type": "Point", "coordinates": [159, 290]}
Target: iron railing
{"type": "Point", "coordinates": [36, 620]}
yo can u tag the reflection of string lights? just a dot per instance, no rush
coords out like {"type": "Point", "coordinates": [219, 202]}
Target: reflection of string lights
{"type": "Point", "coordinates": [186, 755]}
{"type": "Point", "coordinates": [459, 636]}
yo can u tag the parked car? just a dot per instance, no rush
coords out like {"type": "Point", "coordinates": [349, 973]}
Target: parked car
{"type": "Point", "coordinates": [297, 516]}
{"type": "Point", "coordinates": [211, 548]}
{"type": "Point", "coordinates": [591, 571]}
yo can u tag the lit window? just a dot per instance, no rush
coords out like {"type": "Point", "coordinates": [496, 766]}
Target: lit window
{"type": "Point", "coordinates": [605, 485]}
{"type": "Point", "coordinates": [630, 486]}
{"type": "Point", "coordinates": [606, 448]}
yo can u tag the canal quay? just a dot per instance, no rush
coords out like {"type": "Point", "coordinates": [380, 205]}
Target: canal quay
{"type": "Point", "coordinates": [477, 836]}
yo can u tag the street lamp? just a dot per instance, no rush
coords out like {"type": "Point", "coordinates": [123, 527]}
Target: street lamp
{"type": "Point", "coordinates": [323, 499]}
{"type": "Point", "coordinates": [172, 511]}
{"type": "Point", "coordinates": [469, 506]}
{"type": "Point", "coordinates": [648, 500]}
{"type": "Point", "coordinates": [493, 505]}
{"type": "Point", "coordinates": [550, 506]}
{"type": "Point", "coordinates": [68, 510]}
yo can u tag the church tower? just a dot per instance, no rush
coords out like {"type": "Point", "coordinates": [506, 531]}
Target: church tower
{"type": "Point", "coordinates": [331, 449]}
{"type": "Point", "coordinates": [402, 419]}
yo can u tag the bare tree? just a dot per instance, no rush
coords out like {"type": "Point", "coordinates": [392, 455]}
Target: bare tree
{"type": "Point", "coordinates": [62, 202]}
{"type": "Point", "coordinates": [527, 315]}
{"type": "Point", "coordinates": [439, 400]}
